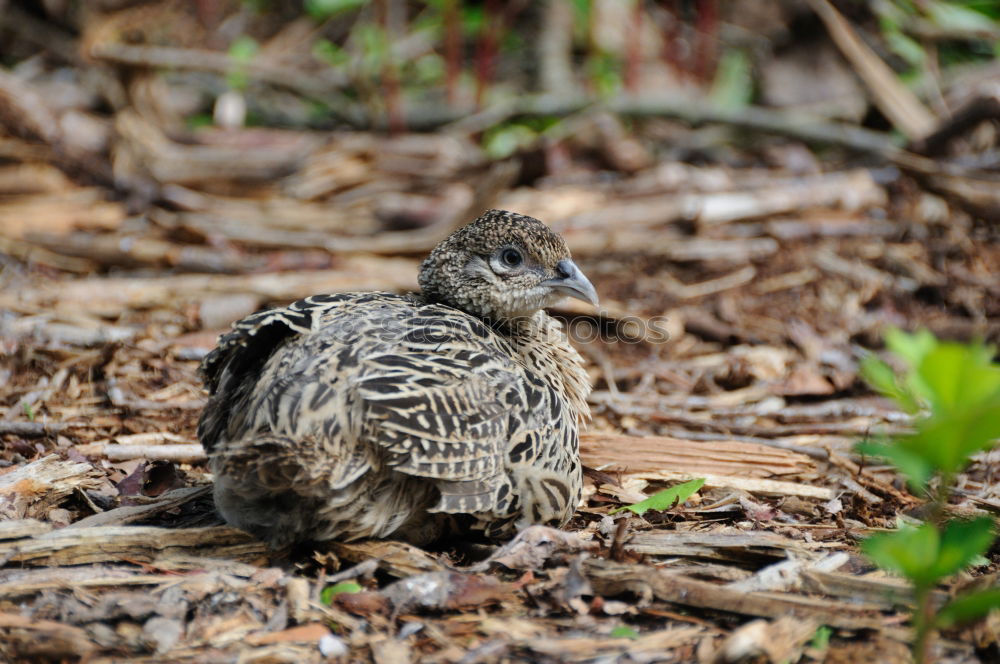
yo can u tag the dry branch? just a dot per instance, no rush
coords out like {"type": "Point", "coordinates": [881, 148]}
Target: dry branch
{"type": "Point", "coordinates": [610, 579]}
{"type": "Point", "coordinates": [82, 332]}
{"type": "Point", "coordinates": [32, 429]}
{"type": "Point", "coordinates": [59, 212]}
{"type": "Point", "coordinates": [901, 106]}
{"type": "Point", "coordinates": [20, 528]}
{"type": "Point", "coordinates": [114, 250]}
{"type": "Point", "coordinates": [727, 546]}
{"type": "Point", "coordinates": [849, 190]}
{"type": "Point", "coordinates": [754, 118]}
{"type": "Point", "coordinates": [648, 243]}
{"type": "Point", "coordinates": [396, 558]}
{"type": "Point", "coordinates": [132, 513]}
{"type": "Point", "coordinates": [320, 85]}
{"type": "Point", "coordinates": [192, 453]}
{"type": "Point", "coordinates": [112, 296]}
{"type": "Point", "coordinates": [80, 546]}
{"type": "Point", "coordinates": [262, 155]}
{"type": "Point", "coordinates": [758, 486]}
{"type": "Point", "coordinates": [25, 582]}
{"type": "Point", "coordinates": [582, 649]}
{"type": "Point", "coordinates": [642, 456]}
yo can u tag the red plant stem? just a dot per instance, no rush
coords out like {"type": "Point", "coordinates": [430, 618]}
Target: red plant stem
{"type": "Point", "coordinates": [923, 626]}
{"type": "Point", "coordinates": [672, 53]}
{"type": "Point", "coordinates": [390, 73]}
{"type": "Point", "coordinates": [486, 50]}
{"type": "Point", "coordinates": [633, 50]}
{"type": "Point", "coordinates": [706, 39]}
{"type": "Point", "coordinates": [210, 12]}
{"type": "Point", "coordinates": [452, 49]}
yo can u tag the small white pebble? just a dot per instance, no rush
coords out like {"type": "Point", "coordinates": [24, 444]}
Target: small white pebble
{"type": "Point", "coordinates": [230, 110]}
{"type": "Point", "coordinates": [332, 646]}
{"type": "Point", "coordinates": [612, 607]}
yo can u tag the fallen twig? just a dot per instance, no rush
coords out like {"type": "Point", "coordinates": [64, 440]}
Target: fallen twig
{"type": "Point", "coordinates": [900, 105]}
{"type": "Point", "coordinates": [179, 453]}
{"type": "Point", "coordinates": [32, 429]}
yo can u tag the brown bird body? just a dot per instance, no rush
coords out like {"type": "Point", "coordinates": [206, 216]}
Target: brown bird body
{"type": "Point", "coordinates": [377, 415]}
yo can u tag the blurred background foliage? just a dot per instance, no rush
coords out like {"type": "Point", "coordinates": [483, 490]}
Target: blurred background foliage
{"type": "Point", "coordinates": [418, 64]}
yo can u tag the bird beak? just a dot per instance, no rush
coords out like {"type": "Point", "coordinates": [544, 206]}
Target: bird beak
{"type": "Point", "coordinates": [572, 282]}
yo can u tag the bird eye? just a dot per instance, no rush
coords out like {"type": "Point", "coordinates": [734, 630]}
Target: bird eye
{"type": "Point", "coordinates": [511, 257]}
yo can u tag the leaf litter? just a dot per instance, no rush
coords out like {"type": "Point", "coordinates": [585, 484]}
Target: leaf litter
{"type": "Point", "coordinates": [736, 299]}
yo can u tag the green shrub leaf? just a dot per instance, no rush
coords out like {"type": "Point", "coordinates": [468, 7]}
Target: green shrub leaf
{"type": "Point", "coordinates": [624, 632]}
{"type": "Point", "coordinates": [733, 87]}
{"type": "Point", "coordinates": [952, 16]}
{"type": "Point", "coordinates": [959, 383]}
{"type": "Point", "coordinates": [924, 555]}
{"type": "Point", "coordinates": [821, 639]}
{"type": "Point", "coordinates": [912, 348]}
{"type": "Point", "coordinates": [909, 551]}
{"type": "Point", "coordinates": [969, 607]}
{"type": "Point", "coordinates": [664, 500]}
{"type": "Point", "coordinates": [961, 543]}
{"type": "Point", "coordinates": [326, 597]}
{"type": "Point", "coordinates": [880, 376]}
{"type": "Point", "coordinates": [324, 9]}
{"type": "Point", "coordinates": [911, 463]}
{"type": "Point", "coordinates": [960, 378]}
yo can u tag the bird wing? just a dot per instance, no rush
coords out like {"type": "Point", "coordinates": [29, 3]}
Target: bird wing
{"type": "Point", "coordinates": [446, 417]}
{"type": "Point", "coordinates": [231, 370]}
{"type": "Point", "coordinates": [363, 381]}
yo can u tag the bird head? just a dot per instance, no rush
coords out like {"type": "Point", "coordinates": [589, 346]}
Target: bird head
{"type": "Point", "coordinates": [503, 266]}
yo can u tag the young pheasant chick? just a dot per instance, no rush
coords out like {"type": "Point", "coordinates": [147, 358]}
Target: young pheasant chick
{"type": "Point", "coordinates": [379, 415]}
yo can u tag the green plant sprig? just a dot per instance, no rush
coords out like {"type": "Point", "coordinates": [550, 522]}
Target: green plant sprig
{"type": "Point", "coordinates": [666, 499]}
{"type": "Point", "coordinates": [954, 392]}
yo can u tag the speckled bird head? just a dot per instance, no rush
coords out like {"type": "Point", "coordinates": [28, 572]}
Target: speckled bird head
{"type": "Point", "coordinates": [503, 266]}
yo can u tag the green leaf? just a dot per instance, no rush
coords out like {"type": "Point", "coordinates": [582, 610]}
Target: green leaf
{"type": "Point", "coordinates": [242, 51]}
{"type": "Point", "coordinates": [199, 120]}
{"type": "Point", "coordinates": [906, 47]}
{"type": "Point", "coordinates": [330, 53]}
{"type": "Point", "coordinates": [624, 632]}
{"type": "Point", "coordinates": [821, 639]}
{"type": "Point", "coordinates": [910, 551]}
{"type": "Point", "coordinates": [243, 48]}
{"type": "Point", "coordinates": [665, 499]}
{"type": "Point", "coordinates": [979, 561]}
{"type": "Point", "coordinates": [29, 412]}
{"type": "Point", "coordinates": [947, 441]}
{"type": "Point", "coordinates": [326, 597]}
{"type": "Point", "coordinates": [960, 377]}
{"type": "Point", "coordinates": [961, 543]}
{"type": "Point", "coordinates": [733, 84]}
{"type": "Point", "coordinates": [375, 47]}
{"type": "Point", "coordinates": [959, 383]}
{"type": "Point", "coordinates": [880, 376]}
{"type": "Point", "coordinates": [604, 71]}
{"type": "Point", "coordinates": [910, 347]}
{"type": "Point", "coordinates": [428, 69]}
{"type": "Point", "coordinates": [503, 141]}
{"type": "Point", "coordinates": [953, 16]}
{"type": "Point", "coordinates": [914, 465]}
{"type": "Point", "coordinates": [924, 555]}
{"type": "Point", "coordinates": [324, 9]}
{"type": "Point", "coordinates": [968, 607]}
{"type": "Point", "coordinates": [256, 6]}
